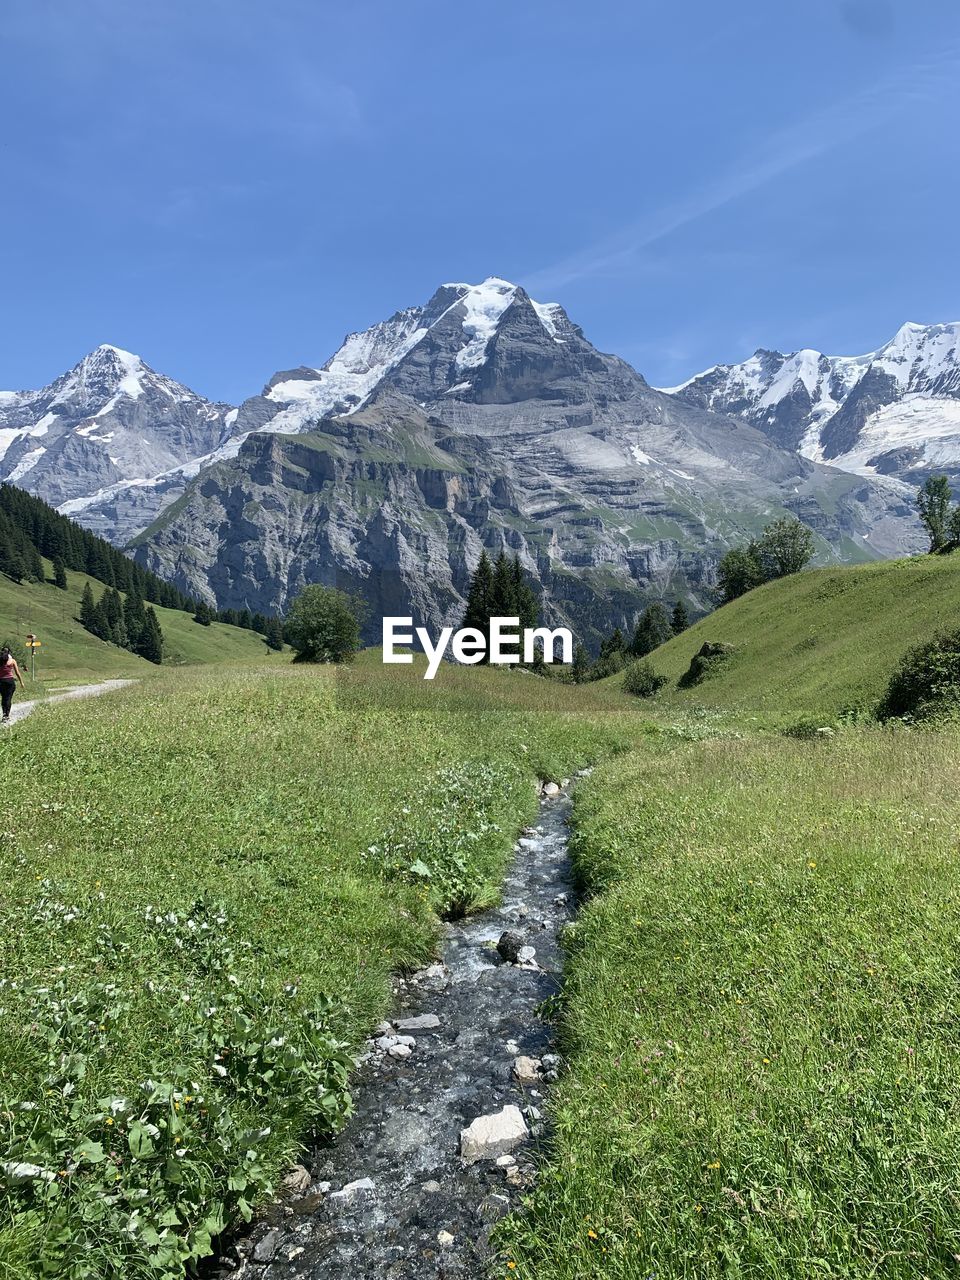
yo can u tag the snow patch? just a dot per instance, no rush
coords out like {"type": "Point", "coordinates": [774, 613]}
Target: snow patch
{"type": "Point", "coordinates": [643, 458]}
{"type": "Point", "coordinates": [26, 464]}
{"type": "Point", "coordinates": [483, 306]}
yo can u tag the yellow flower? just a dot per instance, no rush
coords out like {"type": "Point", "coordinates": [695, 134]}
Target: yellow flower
{"type": "Point", "coordinates": [592, 1234]}
{"type": "Point", "coordinates": [511, 1266]}
{"type": "Point", "coordinates": [767, 1060]}
{"type": "Point", "coordinates": [714, 1164]}
{"type": "Point", "coordinates": [812, 866]}
{"type": "Point", "coordinates": [108, 1120]}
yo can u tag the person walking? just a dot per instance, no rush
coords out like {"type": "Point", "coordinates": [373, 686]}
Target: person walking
{"type": "Point", "coordinates": [9, 675]}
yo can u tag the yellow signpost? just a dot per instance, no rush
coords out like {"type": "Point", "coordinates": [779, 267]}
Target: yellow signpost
{"type": "Point", "coordinates": [33, 644]}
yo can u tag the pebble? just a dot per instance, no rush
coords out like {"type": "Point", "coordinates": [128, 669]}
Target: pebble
{"type": "Point", "coordinates": [399, 1051]}
{"type": "Point", "coordinates": [505, 1162]}
{"type": "Point", "coordinates": [264, 1249]}
{"type": "Point", "coordinates": [430, 1187]}
{"type": "Point", "coordinates": [550, 789]}
{"type": "Point", "coordinates": [423, 1022]}
{"type": "Point", "coordinates": [444, 1239]}
{"type": "Point", "coordinates": [297, 1180]}
{"type": "Point", "coordinates": [353, 1189]}
{"type": "Point", "coordinates": [384, 1029]}
{"type": "Point", "coordinates": [527, 1070]}
{"type": "Point", "coordinates": [526, 954]}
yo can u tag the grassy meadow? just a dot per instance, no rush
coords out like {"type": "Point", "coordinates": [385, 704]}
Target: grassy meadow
{"type": "Point", "coordinates": [816, 644]}
{"type": "Point", "coordinates": [213, 876]}
{"type": "Point", "coordinates": [70, 655]}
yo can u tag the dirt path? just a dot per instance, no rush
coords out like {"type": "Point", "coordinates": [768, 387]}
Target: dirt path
{"type": "Point", "coordinates": [401, 1194]}
{"type": "Point", "coordinates": [22, 709]}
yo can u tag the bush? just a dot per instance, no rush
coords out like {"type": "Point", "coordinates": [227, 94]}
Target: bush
{"type": "Point", "coordinates": [642, 681]}
{"type": "Point", "coordinates": [324, 625]}
{"type": "Point", "coordinates": [927, 682]}
{"type": "Point", "coordinates": [704, 663]}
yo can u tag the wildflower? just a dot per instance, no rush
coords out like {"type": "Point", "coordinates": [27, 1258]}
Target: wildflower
{"type": "Point", "coordinates": [812, 866]}
{"type": "Point", "coordinates": [592, 1234]}
{"type": "Point", "coordinates": [714, 1164]}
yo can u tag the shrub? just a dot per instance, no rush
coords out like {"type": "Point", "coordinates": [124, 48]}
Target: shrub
{"type": "Point", "coordinates": [642, 681]}
{"type": "Point", "coordinates": [704, 663]}
{"type": "Point", "coordinates": [324, 625]}
{"type": "Point", "coordinates": [927, 682]}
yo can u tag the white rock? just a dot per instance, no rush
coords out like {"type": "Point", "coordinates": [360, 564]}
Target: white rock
{"type": "Point", "coordinates": [505, 1162]}
{"type": "Point", "coordinates": [430, 1187]}
{"type": "Point", "coordinates": [550, 789]}
{"type": "Point", "coordinates": [493, 1135]}
{"type": "Point", "coordinates": [386, 1043]}
{"type": "Point", "coordinates": [423, 1022]}
{"type": "Point", "coordinates": [400, 1051]}
{"type": "Point", "coordinates": [297, 1180]}
{"type": "Point", "coordinates": [564, 782]}
{"type": "Point", "coordinates": [353, 1189]}
{"type": "Point", "coordinates": [384, 1029]}
{"type": "Point", "coordinates": [444, 1239]}
{"type": "Point", "coordinates": [526, 954]}
{"type": "Point", "coordinates": [527, 1070]}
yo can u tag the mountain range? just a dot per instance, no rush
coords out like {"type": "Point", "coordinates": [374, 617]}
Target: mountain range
{"type": "Point", "coordinates": [894, 411]}
{"type": "Point", "coordinates": [484, 418]}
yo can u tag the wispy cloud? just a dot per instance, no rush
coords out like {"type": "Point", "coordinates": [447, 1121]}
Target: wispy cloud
{"type": "Point", "coordinates": [812, 136]}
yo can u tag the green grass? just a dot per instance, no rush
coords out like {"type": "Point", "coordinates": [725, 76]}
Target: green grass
{"type": "Point", "coordinates": [71, 655]}
{"type": "Point", "coordinates": [761, 1017]}
{"type": "Point", "coordinates": [213, 876]}
{"type": "Point", "coordinates": [817, 642]}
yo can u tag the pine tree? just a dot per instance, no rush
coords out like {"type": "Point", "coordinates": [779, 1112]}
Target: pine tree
{"type": "Point", "coordinates": [202, 614]}
{"type": "Point", "coordinates": [87, 607]}
{"type": "Point", "coordinates": [680, 619]}
{"type": "Point", "coordinates": [652, 630]}
{"type": "Point", "coordinates": [581, 665]}
{"type": "Point", "coordinates": [14, 567]}
{"type": "Point", "coordinates": [524, 598]}
{"type": "Point", "coordinates": [59, 574]}
{"type": "Point", "coordinates": [150, 641]}
{"type": "Point", "coordinates": [133, 616]}
{"type": "Point", "coordinates": [614, 643]}
{"type": "Point", "coordinates": [274, 634]}
{"type": "Point", "coordinates": [480, 596]}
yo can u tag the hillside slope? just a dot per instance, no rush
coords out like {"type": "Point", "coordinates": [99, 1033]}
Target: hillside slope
{"type": "Point", "coordinates": [816, 642]}
{"type": "Point", "coordinates": [71, 654]}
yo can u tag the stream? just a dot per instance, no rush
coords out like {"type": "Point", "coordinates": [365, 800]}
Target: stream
{"type": "Point", "coordinates": [393, 1196]}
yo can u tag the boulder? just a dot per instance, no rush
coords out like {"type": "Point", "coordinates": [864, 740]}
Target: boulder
{"type": "Point", "coordinates": [510, 946]}
{"type": "Point", "coordinates": [493, 1135]}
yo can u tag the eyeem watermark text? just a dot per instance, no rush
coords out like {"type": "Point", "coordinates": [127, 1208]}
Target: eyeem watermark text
{"type": "Point", "coordinates": [507, 643]}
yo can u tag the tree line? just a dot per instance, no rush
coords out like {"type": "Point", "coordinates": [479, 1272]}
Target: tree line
{"type": "Point", "coordinates": [128, 623]}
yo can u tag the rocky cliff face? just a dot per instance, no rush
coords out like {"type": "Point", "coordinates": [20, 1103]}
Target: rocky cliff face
{"type": "Point", "coordinates": [487, 419]}
{"type": "Point", "coordinates": [108, 425]}
{"type": "Point", "coordinates": [893, 412]}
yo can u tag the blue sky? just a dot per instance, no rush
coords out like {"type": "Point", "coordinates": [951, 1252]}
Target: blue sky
{"type": "Point", "coordinates": [227, 187]}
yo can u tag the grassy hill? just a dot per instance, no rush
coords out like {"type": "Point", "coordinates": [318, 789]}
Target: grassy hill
{"type": "Point", "coordinates": [816, 642]}
{"type": "Point", "coordinates": [71, 654]}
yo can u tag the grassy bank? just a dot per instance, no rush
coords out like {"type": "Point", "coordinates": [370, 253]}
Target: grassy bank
{"type": "Point", "coordinates": [69, 654]}
{"type": "Point", "coordinates": [815, 643]}
{"type": "Point", "coordinates": [210, 879]}
{"type": "Point", "coordinates": [761, 1017]}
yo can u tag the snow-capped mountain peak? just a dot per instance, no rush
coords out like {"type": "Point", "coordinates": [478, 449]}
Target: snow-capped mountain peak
{"type": "Point", "coordinates": [468, 316]}
{"type": "Point", "coordinates": [841, 409]}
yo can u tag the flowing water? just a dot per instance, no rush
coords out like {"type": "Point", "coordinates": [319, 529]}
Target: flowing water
{"type": "Point", "coordinates": [391, 1197]}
